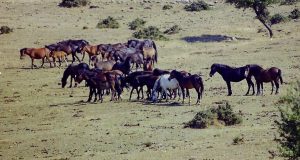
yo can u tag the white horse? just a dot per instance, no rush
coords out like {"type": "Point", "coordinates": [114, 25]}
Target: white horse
{"type": "Point", "coordinates": [164, 83]}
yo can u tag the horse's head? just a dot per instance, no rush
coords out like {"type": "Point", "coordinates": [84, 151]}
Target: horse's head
{"type": "Point", "coordinates": [22, 53]}
{"type": "Point", "coordinates": [172, 75]}
{"type": "Point", "coordinates": [213, 70]}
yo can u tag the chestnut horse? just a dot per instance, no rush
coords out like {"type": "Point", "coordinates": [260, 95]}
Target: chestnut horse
{"type": "Point", "coordinates": [36, 53]}
{"type": "Point", "coordinates": [189, 82]}
{"type": "Point", "coordinates": [60, 55]}
{"type": "Point", "coordinates": [90, 50]}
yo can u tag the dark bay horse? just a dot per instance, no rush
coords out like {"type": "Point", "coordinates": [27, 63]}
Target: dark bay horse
{"type": "Point", "coordinates": [36, 53]}
{"type": "Point", "coordinates": [73, 71]}
{"type": "Point", "coordinates": [123, 66]}
{"type": "Point", "coordinates": [189, 82]}
{"type": "Point", "coordinates": [231, 74]}
{"type": "Point", "coordinates": [261, 76]}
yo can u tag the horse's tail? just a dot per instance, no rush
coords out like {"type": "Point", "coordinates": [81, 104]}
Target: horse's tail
{"type": "Point", "coordinates": [156, 54]}
{"type": "Point", "coordinates": [280, 76]}
{"type": "Point", "coordinates": [199, 79]}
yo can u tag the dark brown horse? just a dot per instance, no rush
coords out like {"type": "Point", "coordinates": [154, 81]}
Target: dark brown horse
{"type": "Point", "coordinates": [261, 76]}
{"type": "Point", "coordinates": [189, 82]}
{"type": "Point", "coordinates": [73, 71]}
{"type": "Point", "coordinates": [36, 53]}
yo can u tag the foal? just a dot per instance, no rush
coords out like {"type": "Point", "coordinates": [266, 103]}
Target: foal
{"type": "Point", "coordinates": [60, 55]}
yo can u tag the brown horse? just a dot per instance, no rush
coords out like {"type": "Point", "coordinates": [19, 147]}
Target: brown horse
{"type": "Point", "coordinates": [36, 53]}
{"type": "Point", "coordinates": [149, 54]}
{"type": "Point", "coordinates": [104, 66]}
{"type": "Point", "coordinates": [90, 50]}
{"type": "Point", "coordinates": [60, 55]}
{"type": "Point", "coordinates": [148, 65]}
{"type": "Point", "coordinates": [189, 82]}
{"type": "Point", "coordinates": [272, 75]}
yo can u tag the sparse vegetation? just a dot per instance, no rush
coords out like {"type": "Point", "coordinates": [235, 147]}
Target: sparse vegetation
{"type": "Point", "coordinates": [278, 18]}
{"type": "Point", "coordinates": [289, 2]}
{"type": "Point", "coordinates": [150, 32]}
{"type": "Point", "coordinates": [223, 112]}
{"type": "Point", "coordinates": [74, 3]}
{"type": "Point", "coordinates": [173, 30]}
{"type": "Point", "coordinates": [197, 6]}
{"type": "Point", "coordinates": [85, 27]}
{"type": "Point", "coordinates": [289, 126]}
{"type": "Point", "coordinates": [137, 24]}
{"type": "Point", "coordinates": [109, 22]}
{"type": "Point", "coordinates": [238, 140]}
{"type": "Point", "coordinates": [167, 7]}
{"type": "Point", "coordinates": [5, 30]}
{"type": "Point", "coordinates": [295, 14]}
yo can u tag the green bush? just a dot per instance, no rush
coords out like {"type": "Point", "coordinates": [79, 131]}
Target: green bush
{"type": "Point", "coordinates": [201, 120]}
{"type": "Point", "coordinates": [173, 30]}
{"type": "Point", "coordinates": [197, 6]}
{"type": "Point", "coordinates": [109, 22]}
{"type": "Point", "coordinates": [5, 30]}
{"type": "Point", "coordinates": [289, 126]}
{"type": "Point", "coordinates": [223, 113]}
{"type": "Point", "coordinates": [74, 3]}
{"type": "Point", "coordinates": [289, 2]}
{"type": "Point", "coordinates": [167, 7]}
{"type": "Point", "coordinates": [295, 14]}
{"type": "Point", "coordinates": [238, 140]}
{"type": "Point", "coordinates": [150, 32]}
{"type": "Point", "coordinates": [137, 24]}
{"type": "Point", "coordinates": [278, 18]}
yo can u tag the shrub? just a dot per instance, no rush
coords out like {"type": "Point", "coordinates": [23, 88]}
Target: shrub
{"type": "Point", "coordinates": [85, 27]}
{"type": "Point", "coordinates": [289, 2]}
{"type": "Point", "coordinates": [173, 30]}
{"type": "Point", "coordinates": [5, 30]}
{"type": "Point", "coordinates": [289, 127]}
{"type": "Point", "coordinates": [74, 3]}
{"type": "Point", "coordinates": [206, 118]}
{"type": "Point", "coordinates": [109, 22]}
{"type": "Point", "coordinates": [225, 113]}
{"type": "Point", "coordinates": [197, 6]}
{"type": "Point", "coordinates": [238, 140]}
{"type": "Point", "coordinates": [278, 18]}
{"type": "Point", "coordinates": [295, 14]}
{"type": "Point", "coordinates": [137, 24]}
{"type": "Point", "coordinates": [150, 32]}
{"type": "Point", "coordinates": [167, 7]}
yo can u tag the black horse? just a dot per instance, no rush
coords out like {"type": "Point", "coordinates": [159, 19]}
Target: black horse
{"type": "Point", "coordinates": [73, 70]}
{"type": "Point", "coordinates": [69, 46]}
{"type": "Point", "coordinates": [123, 66]}
{"type": "Point", "coordinates": [231, 74]}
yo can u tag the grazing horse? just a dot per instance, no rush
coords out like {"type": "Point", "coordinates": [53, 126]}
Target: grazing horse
{"type": "Point", "coordinates": [60, 55]}
{"type": "Point", "coordinates": [146, 80]}
{"type": "Point", "coordinates": [165, 83]}
{"type": "Point", "coordinates": [123, 66]}
{"type": "Point", "coordinates": [90, 50]}
{"type": "Point", "coordinates": [73, 70]}
{"type": "Point", "coordinates": [132, 81]}
{"type": "Point", "coordinates": [36, 53]}
{"type": "Point", "coordinates": [261, 76]}
{"type": "Point", "coordinates": [189, 82]}
{"type": "Point", "coordinates": [103, 65]}
{"type": "Point", "coordinates": [231, 74]}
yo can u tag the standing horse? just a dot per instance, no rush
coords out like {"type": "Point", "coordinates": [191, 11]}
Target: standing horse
{"type": "Point", "coordinates": [231, 74]}
{"type": "Point", "coordinates": [73, 70]}
{"type": "Point", "coordinates": [36, 53]}
{"type": "Point", "coordinates": [60, 55]}
{"type": "Point", "coordinates": [123, 66]}
{"type": "Point", "coordinates": [189, 82]}
{"type": "Point", "coordinates": [272, 75]}
{"type": "Point", "coordinates": [90, 50]}
{"type": "Point", "coordinates": [143, 44]}
{"type": "Point", "coordinates": [102, 65]}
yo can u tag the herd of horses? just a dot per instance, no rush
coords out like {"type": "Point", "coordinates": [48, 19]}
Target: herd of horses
{"type": "Point", "coordinates": [113, 70]}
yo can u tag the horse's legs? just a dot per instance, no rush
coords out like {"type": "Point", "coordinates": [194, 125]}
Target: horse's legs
{"type": "Point", "coordinates": [59, 60]}
{"type": "Point", "coordinates": [277, 86]}
{"type": "Point", "coordinates": [32, 63]}
{"type": "Point", "coordinates": [43, 61]}
{"type": "Point", "coordinates": [272, 84]}
{"type": "Point", "coordinates": [89, 60]}
{"type": "Point", "coordinates": [229, 88]}
{"type": "Point", "coordinates": [250, 84]}
{"type": "Point", "coordinates": [71, 81]}
{"type": "Point", "coordinates": [65, 59]}
{"type": "Point", "coordinates": [54, 61]}
{"type": "Point", "coordinates": [198, 92]}
{"type": "Point", "coordinates": [258, 88]}
{"type": "Point", "coordinates": [183, 94]}
{"type": "Point", "coordinates": [131, 93]}
{"type": "Point", "coordinates": [262, 88]}
{"type": "Point", "coordinates": [90, 95]}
